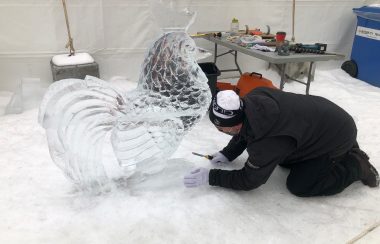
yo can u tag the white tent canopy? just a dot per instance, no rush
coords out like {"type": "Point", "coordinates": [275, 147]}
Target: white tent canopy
{"type": "Point", "coordinates": [117, 32]}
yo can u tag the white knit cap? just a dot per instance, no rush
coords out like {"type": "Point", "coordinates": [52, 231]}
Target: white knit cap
{"type": "Point", "coordinates": [226, 109]}
{"type": "Point", "coordinates": [227, 100]}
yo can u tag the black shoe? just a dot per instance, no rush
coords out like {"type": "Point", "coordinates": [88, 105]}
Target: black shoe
{"type": "Point", "coordinates": [368, 174]}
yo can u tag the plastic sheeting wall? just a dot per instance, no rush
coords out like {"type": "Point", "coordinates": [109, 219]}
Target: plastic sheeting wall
{"type": "Point", "coordinates": [116, 32]}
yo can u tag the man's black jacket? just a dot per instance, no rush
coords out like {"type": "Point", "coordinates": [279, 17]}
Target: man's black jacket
{"type": "Point", "coordinates": [283, 128]}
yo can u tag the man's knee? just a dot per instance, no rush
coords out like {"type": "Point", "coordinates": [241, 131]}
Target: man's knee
{"type": "Point", "coordinates": [297, 188]}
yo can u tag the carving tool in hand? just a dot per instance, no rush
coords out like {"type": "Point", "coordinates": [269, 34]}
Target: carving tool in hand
{"type": "Point", "coordinates": [201, 155]}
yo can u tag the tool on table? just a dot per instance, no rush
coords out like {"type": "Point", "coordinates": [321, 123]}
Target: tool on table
{"type": "Point", "coordinates": [201, 155]}
{"type": "Point", "coordinates": [284, 49]}
{"type": "Point", "coordinates": [258, 31]}
{"type": "Point", "coordinates": [212, 33]}
{"type": "Point", "coordinates": [201, 34]}
{"type": "Point", "coordinates": [318, 48]}
{"type": "Point", "coordinates": [222, 34]}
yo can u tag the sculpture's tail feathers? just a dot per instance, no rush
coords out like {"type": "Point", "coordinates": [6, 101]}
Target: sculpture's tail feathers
{"type": "Point", "coordinates": [77, 116]}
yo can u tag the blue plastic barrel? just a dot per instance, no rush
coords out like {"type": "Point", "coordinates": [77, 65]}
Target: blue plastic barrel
{"type": "Point", "coordinates": [366, 47]}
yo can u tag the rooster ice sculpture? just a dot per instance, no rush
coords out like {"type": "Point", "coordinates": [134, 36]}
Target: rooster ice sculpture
{"type": "Point", "coordinates": [144, 126]}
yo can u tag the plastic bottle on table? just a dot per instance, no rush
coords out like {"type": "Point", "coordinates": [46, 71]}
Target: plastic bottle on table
{"type": "Point", "coordinates": [235, 25]}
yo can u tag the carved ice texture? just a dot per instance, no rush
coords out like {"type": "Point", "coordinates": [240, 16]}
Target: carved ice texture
{"type": "Point", "coordinates": [144, 126]}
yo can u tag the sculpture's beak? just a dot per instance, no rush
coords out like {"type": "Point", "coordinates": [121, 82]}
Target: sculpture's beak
{"type": "Point", "coordinates": [202, 53]}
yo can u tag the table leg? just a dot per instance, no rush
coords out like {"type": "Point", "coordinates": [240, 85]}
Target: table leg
{"type": "Point", "coordinates": [283, 78]}
{"type": "Point", "coordinates": [215, 53]}
{"type": "Point", "coordinates": [237, 65]}
{"type": "Point", "coordinates": [309, 78]}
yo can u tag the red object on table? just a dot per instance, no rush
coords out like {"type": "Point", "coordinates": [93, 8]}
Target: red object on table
{"type": "Point", "coordinates": [280, 36]}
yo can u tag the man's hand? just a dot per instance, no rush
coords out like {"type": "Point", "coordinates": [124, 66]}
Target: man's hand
{"type": "Point", "coordinates": [219, 158]}
{"type": "Point", "coordinates": [196, 177]}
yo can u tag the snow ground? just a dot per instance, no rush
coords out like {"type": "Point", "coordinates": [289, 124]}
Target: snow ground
{"type": "Point", "coordinates": [39, 205]}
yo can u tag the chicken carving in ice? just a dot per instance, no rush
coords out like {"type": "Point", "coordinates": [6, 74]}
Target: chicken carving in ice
{"type": "Point", "coordinates": [144, 126]}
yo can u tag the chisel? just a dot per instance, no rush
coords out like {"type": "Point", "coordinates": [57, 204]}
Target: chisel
{"type": "Point", "coordinates": [205, 156]}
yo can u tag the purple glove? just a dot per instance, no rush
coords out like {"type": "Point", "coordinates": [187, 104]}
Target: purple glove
{"type": "Point", "coordinates": [196, 177]}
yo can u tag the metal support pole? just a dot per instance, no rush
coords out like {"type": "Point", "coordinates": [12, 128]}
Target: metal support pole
{"type": "Point", "coordinates": [309, 78]}
{"type": "Point", "coordinates": [228, 52]}
{"type": "Point", "coordinates": [283, 78]}
{"type": "Point", "coordinates": [235, 53]}
{"type": "Point", "coordinates": [237, 65]}
{"type": "Point", "coordinates": [215, 53]}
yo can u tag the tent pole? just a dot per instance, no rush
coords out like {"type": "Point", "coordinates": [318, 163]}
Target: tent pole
{"type": "Point", "coordinates": [70, 43]}
{"type": "Point", "coordinates": [293, 20]}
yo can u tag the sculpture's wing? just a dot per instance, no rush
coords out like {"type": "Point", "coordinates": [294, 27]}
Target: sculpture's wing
{"type": "Point", "coordinates": [147, 140]}
{"type": "Point", "coordinates": [78, 116]}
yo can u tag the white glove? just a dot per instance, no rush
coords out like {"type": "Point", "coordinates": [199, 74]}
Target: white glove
{"type": "Point", "coordinates": [219, 158]}
{"type": "Point", "coordinates": [196, 177]}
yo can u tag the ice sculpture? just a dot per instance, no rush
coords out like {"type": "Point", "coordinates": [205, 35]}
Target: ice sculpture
{"type": "Point", "coordinates": [144, 126]}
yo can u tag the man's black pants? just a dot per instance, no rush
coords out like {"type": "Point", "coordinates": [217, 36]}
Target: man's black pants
{"type": "Point", "coordinates": [322, 176]}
